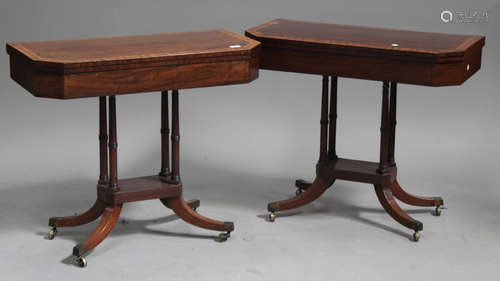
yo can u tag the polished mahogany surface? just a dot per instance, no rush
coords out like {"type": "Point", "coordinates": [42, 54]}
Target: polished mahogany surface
{"type": "Point", "coordinates": [138, 189]}
{"type": "Point", "coordinates": [133, 64]}
{"type": "Point", "coordinates": [422, 43]}
{"type": "Point", "coordinates": [134, 49]}
{"type": "Point", "coordinates": [413, 57]}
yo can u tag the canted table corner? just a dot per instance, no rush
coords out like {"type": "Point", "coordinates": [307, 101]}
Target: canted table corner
{"type": "Point", "coordinates": [388, 55]}
{"type": "Point", "coordinates": [107, 67]}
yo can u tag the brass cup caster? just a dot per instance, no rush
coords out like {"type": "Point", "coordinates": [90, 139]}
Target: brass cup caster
{"type": "Point", "coordinates": [271, 217]}
{"type": "Point", "coordinates": [81, 262]}
{"type": "Point", "coordinates": [298, 191]}
{"type": "Point", "coordinates": [437, 211]}
{"type": "Point", "coordinates": [52, 233]}
{"type": "Point", "coordinates": [416, 236]}
{"type": "Point", "coordinates": [223, 236]}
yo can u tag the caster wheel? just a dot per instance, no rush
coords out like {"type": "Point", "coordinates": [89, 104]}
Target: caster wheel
{"type": "Point", "coordinates": [52, 233]}
{"type": "Point", "coordinates": [298, 191]}
{"type": "Point", "coordinates": [416, 236]}
{"type": "Point", "coordinates": [81, 262]}
{"type": "Point", "coordinates": [438, 211]}
{"type": "Point", "coordinates": [271, 217]}
{"type": "Point", "coordinates": [223, 237]}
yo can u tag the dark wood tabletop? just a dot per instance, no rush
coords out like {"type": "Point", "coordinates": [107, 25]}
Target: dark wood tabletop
{"type": "Point", "coordinates": [132, 64]}
{"type": "Point", "coordinates": [369, 53]}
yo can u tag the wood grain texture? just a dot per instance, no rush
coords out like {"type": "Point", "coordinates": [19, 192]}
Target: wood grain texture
{"type": "Point", "coordinates": [311, 193]}
{"type": "Point", "coordinates": [422, 58]}
{"type": "Point", "coordinates": [414, 200]}
{"type": "Point", "coordinates": [364, 39]}
{"type": "Point", "coordinates": [138, 189]}
{"type": "Point", "coordinates": [134, 64]}
{"type": "Point", "coordinates": [108, 220]}
{"type": "Point", "coordinates": [80, 219]}
{"type": "Point", "coordinates": [359, 171]}
{"type": "Point", "coordinates": [169, 47]}
{"type": "Point", "coordinates": [187, 214]}
{"type": "Point", "coordinates": [387, 200]}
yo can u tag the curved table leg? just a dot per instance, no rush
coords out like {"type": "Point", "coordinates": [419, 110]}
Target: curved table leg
{"type": "Point", "coordinates": [313, 191]}
{"type": "Point", "coordinates": [193, 203]}
{"type": "Point", "coordinates": [302, 185]}
{"type": "Point", "coordinates": [185, 211]}
{"type": "Point", "coordinates": [410, 199]}
{"type": "Point", "coordinates": [90, 215]}
{"type": "Point", "coordinates": [385, 196]}
{"type": "Point", "coordinates": [108, 221]}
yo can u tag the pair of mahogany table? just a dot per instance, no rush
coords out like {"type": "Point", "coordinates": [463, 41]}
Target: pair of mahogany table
{"type": "Point", "coordinates": [107, 67]}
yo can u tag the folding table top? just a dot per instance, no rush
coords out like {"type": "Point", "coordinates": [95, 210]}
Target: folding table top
{"type": "Point", "coordinates": [370, 53]}
{"type": "Point", "coordinates": [120, 61]}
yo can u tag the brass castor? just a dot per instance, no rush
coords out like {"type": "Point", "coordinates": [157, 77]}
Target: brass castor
{"type": "Point", "coordinates": [52, 233]}
{"type": "Point", "coordinates": [416, 236]}
{"type": "Point", "coordinates": [298, 191]}
{"type": "Point", "coordinates": [223, 236]}
{"type": "Point", "coordinates": [81, 262]}
{"type": "Point", "coordinates": [437, 212]}
{"type": "Point", "coordinates": [271, 217]}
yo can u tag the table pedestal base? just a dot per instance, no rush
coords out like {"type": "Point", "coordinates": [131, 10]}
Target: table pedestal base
{"type": "Point", "coordinates": [113, 193]}
{"type": "Point", "coordinates": [382, 175]}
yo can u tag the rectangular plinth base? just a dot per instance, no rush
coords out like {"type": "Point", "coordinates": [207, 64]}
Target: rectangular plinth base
{"type": "Point", "coordinates": [359, 171]}
{"type": "Point", "coordinates": [138, 189]}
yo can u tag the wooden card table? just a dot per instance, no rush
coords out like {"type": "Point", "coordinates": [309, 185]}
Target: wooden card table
{"type": "Point", "coordinates": [391, 56]}
{"type": "Point", "coordinates": [135, 64]}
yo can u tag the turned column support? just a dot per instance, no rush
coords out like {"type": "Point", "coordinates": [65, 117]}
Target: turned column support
{"type": "Point", "coordinates": [113, 145]}
{"type": "Point", "coordinates": [392, 123]}
{"type": "Point", "coordinates": [384, 129]}
{"type": "Point", "coordinates": [332, 153]}
{"type": "Point", "coordinates": [175, 136]}
{"type": "Point", "coordinates": [324, 121]}
{"type": "Point", "coordinates": [103, 139]}
{"type": "Point", "coordinates": [165, 134]}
